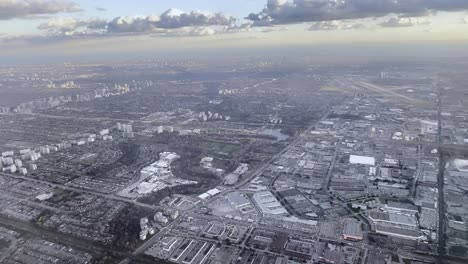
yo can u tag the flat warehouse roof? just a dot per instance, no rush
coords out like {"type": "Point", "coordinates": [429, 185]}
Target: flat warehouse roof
{"type": "Point", "coordinates": [363, 160]}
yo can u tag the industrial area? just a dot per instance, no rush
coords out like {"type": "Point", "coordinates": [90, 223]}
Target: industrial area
{"type": "Point", "coordinates": [277, 162]}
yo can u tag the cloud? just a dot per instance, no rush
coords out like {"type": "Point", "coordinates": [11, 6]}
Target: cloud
{"type": "Point", "coordinates": [102, 9]}
{"type": "Point", "coordinates": [298, 11]}
{"type": "Point", "coordinates": [10, 9]}
{"type": "Point", "coordinates": [273, 29]}
{"type": "Point", "coordinates": [171, 19]}
{"type": "Point", "coordinates": [133, 24]}
{"type": "Point", "coordinates": [203, 31]}
{"type": "Point", "coordinates": [246, 27]}
{"type": "Point", "coordinates": [174, 18]}
{"type": "Point", "coordinates": [405, 22]}
{"type": "Point", "coordinates": [71, 26]}
{"type": "Point", "coordinates": [173, 22]}
{"type": "Point", "coordinates": [465, 20]}
{"type": "Point", "coordinates": [264, 22]}
{"type": "Point", "coordinates": [190, 31]}
{"type": "Point", "coordinates": [335, 25]}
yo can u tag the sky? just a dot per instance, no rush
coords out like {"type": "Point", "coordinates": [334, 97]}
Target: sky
{"type": "Point", "coordinates": [61, 29]}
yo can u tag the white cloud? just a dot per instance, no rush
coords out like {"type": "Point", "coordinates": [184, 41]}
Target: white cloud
{"type": "Point", "coordinates": [246, 27]}
{"type": "Point", "coordinates": [173, 22]}
{"type": "Point", "coordinates": [133, 24]}
{"type": "Point", "coordinates": [405, 22]}
{"type": "Point", "coordinates": [69, 25]}
{"type": "Point", "coordinates": [171, 19]}
{"type": "Point", "coordinates": [10, 9]}
{"type": "Point", "coordinates": [335, 25]}
{"type": "Point", "coordinates": [198, 31]}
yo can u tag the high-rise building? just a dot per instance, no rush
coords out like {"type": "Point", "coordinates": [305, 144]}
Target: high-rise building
{"type": "Point", "coordinates": [24, 151]}
{"type": "Point", "coordinates": [160, 129]}
{"type": "Point", "coordinates": [23, 171]}
{"type": "Point", "coordinates": [7, 153]}
{"type": "Point", "coordinates": [18, 163]}
{"type": "Point", "coordinates": [104, 132]}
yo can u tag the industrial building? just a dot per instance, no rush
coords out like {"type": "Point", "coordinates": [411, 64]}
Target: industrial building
{"type": "Point", "coordinates": [362, 160]}
{"type": "Point", "coordinates": [352, 229]}
{"type": "Point", "coordinates": [268, 204]}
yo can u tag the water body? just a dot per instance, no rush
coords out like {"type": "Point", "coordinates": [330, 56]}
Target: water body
{"type": "Point", "coordinates": [273, 132]}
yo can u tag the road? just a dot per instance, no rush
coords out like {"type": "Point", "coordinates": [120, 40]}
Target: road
{"type": "Point", "coordinates": [440, 185]}
{"type": "Point", "coordinates": [326, 183]}
{"type": "Point", "coordinates": [418, 172]}
{"type": "Point", "coordinates": [260, 170]}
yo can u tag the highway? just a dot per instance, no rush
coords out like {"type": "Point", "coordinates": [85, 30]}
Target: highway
{"type": "Point", "coordinates": [260, 170]}
{"type": "Point", "coordinates": [418, 172]}
{"type": "Point", "coordinates": [440, 185]}
{"type": "Point", "coordinates": [326, 183]}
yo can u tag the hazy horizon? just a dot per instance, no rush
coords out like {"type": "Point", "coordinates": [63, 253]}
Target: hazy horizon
{"type": "Point", "coordinates": [321, 52]}
{"type": "Point", "coordinates": [50, 31]}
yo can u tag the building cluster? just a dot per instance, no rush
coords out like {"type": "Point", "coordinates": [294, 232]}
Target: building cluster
{"type": "Point", "coordinates": [50, 102]}
{"type": "Point", "coordinates": [12, 162]}
{"type": "Point", "coordinates": [145, 228]}
{"type": "Point", "coordinates": [162, 129]}
{"type": "Point", "coordinates": [457, 203]}
{"type": "Point", "coordinates": [36, 250]}
{"type": "Point", "coordinates": [155, 177]}
{"type": "Point", "coordinates": [207, 163]}
{"type": "Point", "coordinates": [234, 176]}
{"type": "Point", "coordinates": [126, 129]}
{"type": "Point", "coordinates": [362, 172]}
{"type": "Point", "coordinates": [205, 116]}
{"type": "Point", "coordinates": [22, 160]}
{"type": "Point", "coordinates": [64, 85]}
{"type": "Point", "coordinates": [188, 132]}
{"type": "Point", "coordinates": [275, 119]}
{"type": "Point", "coordinates": [159, 218]}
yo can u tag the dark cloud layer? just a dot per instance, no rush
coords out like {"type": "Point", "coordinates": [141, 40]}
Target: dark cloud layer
{"type": "Point", "coordinates": [10, 9]}
{"type": "Point", "coordinates": [297, 11]}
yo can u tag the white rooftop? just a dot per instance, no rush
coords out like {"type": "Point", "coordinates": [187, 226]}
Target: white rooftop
{"type": "Point", "coordinates": [362, 160]}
